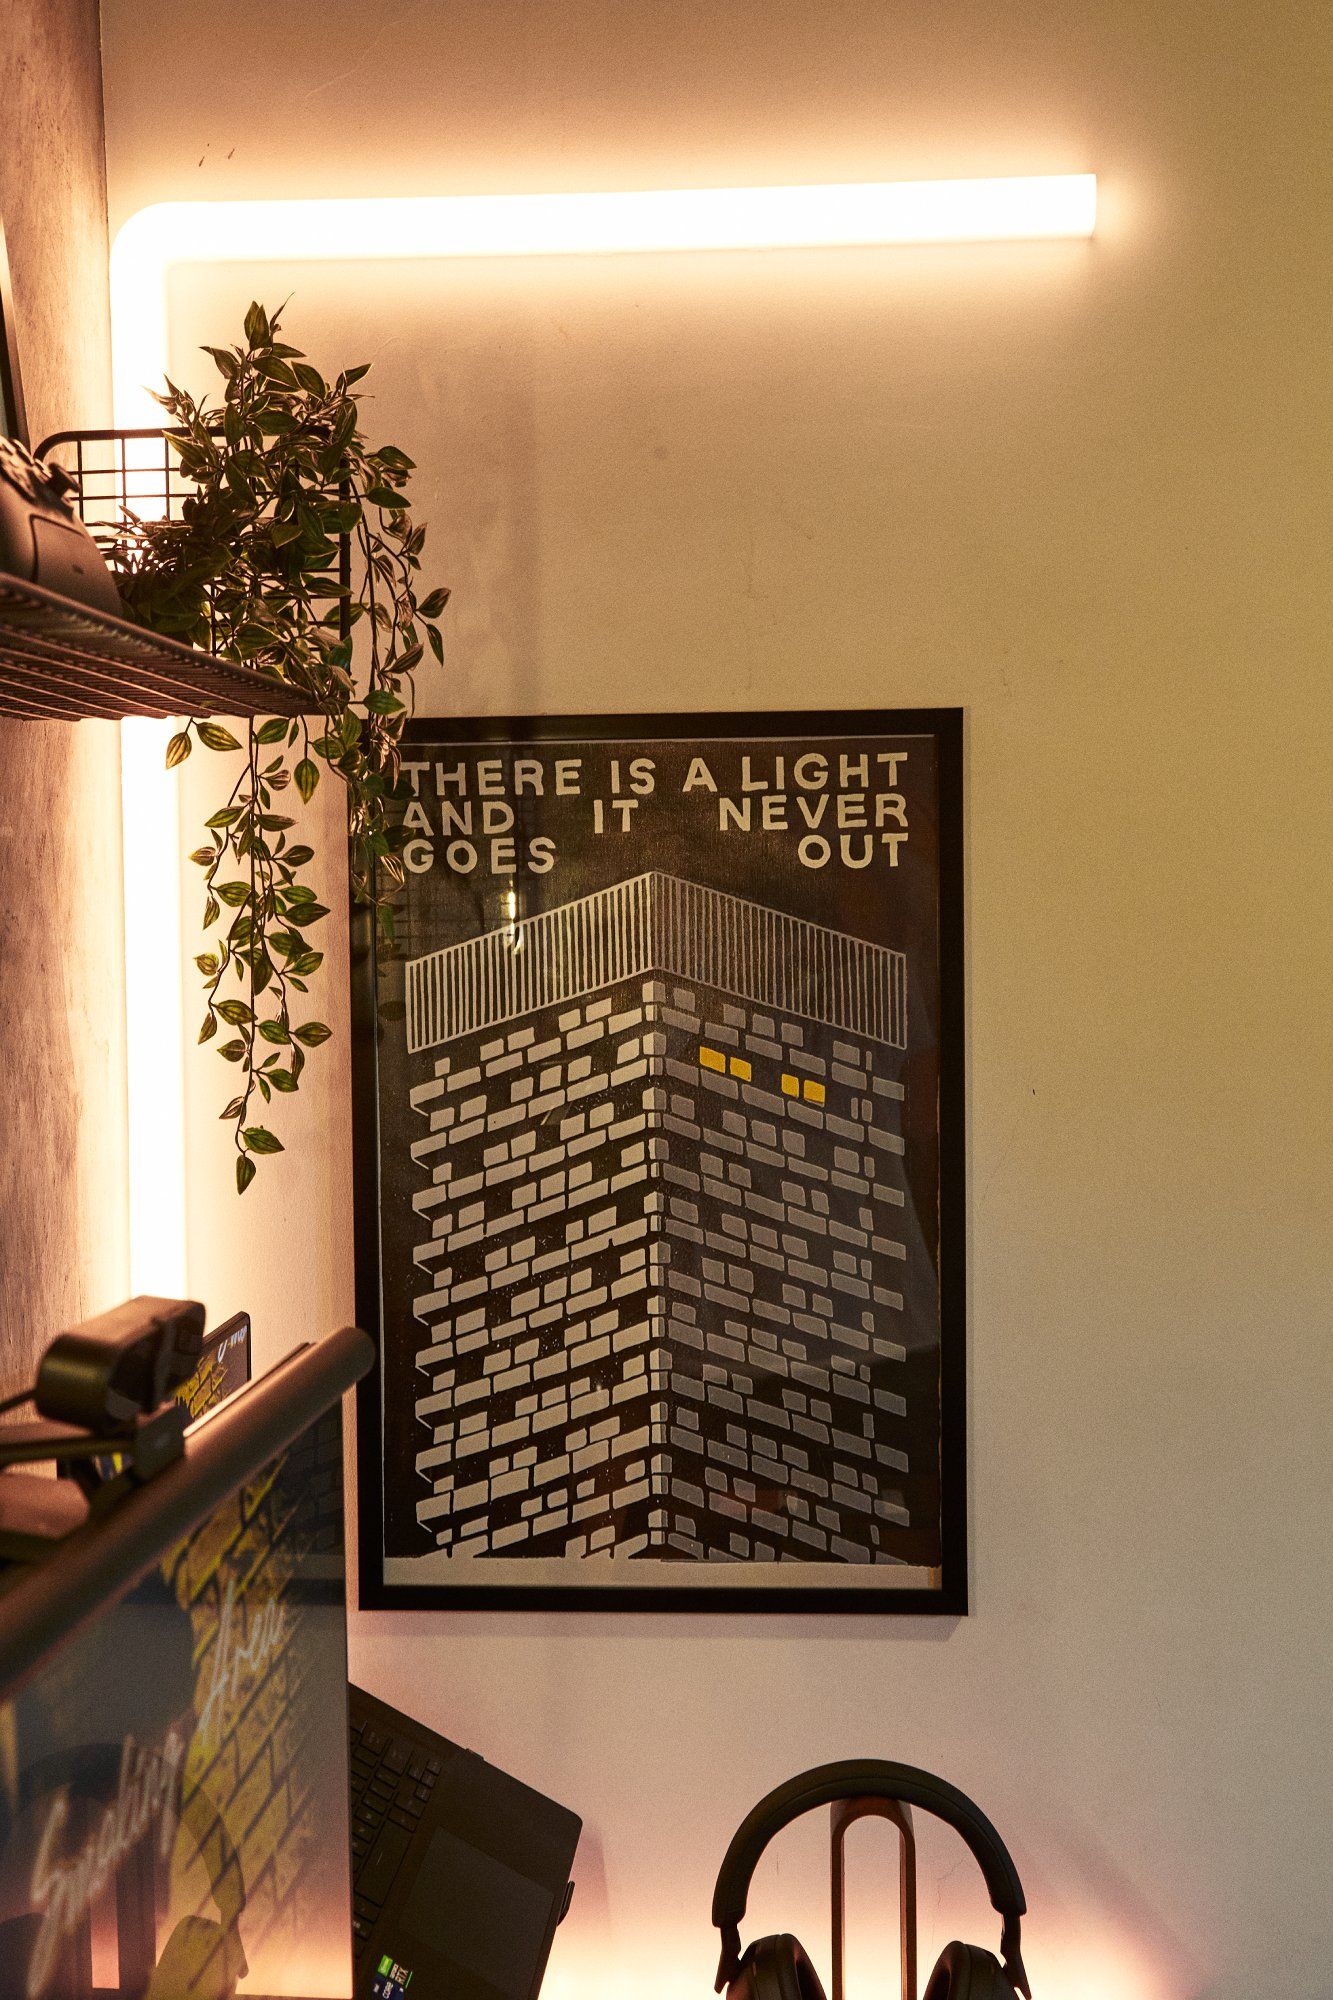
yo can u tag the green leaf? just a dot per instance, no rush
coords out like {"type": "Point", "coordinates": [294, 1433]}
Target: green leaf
{"type": "Point", "coordinates": [274, 1031]}
{"type": "Point", "coordinates": [296, 857]}
{"type": "Point", "coordinates": [436, 642]}
{"type": "Point", "coordinates": [257, 328]}
{"type": "Point", "coordinates": [274, 730]}
{"type": "Point", "coordinates": [350, 375]}
{"type": "Point", "coordinates": [307, 913]}
{"type": "Point", "coordinates": [307, 777]}
{"type": "Point", "coordinates": [225, 817]}
{"type": "Point", "coordinates": [207, 963]}
{"type": "Point", "coordinates": [232, 1051]}
{"type": "Point", "coordinates": [245, 1172]}
{"type": "Point", "coordinates": [432, 606]}
{"type": "Point", "coordinates": [235, 1012]}
{"type": "Point", "coordinates": [380, 701]}
{"type": "Point", "coordinates": [234, 893]}
{"type": "Point", "coordinates": [209, 1028]}
{"type": "Point", "coordinates": [284, 532]}
{"type": "Point", "coordinates": [210, 911]}
{"type": "Point", "coordinates": [282, 1079]}
{"type": "Point", "coordinates": [204, 857]}
{"type": "Point", "coordinates": [224, 359]}
{"type": "Point", "coordinates": [259, 1139]}
{"type": "Point", "coordinates": [178, 749]}
{"type": "Point", "coordinates": [305, 963]}
{"type": "Point", "coordinates": [234, 1109]}
{"type": "Point", "coordinates": [312, 1033]}
{"type": "Point", "coordinates": [216, 737]}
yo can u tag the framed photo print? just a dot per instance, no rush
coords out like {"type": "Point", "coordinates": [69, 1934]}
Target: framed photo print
{"type": "Point", "coordinates": [659, 1168]}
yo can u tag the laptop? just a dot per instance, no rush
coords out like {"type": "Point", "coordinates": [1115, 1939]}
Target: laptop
{"type": "Point", "coordinates": [460, 1874]}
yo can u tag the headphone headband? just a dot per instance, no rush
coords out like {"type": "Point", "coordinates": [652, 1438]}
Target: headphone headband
{"type": "Point", "coordinates": [856, 1778]}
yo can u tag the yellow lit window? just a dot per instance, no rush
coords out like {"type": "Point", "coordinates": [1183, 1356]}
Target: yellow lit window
{"type": "Point", "coordinates": [790, 1086]}
{"type": "Point", "coordinates": [712, 1059]}
{"type": "Point", "coordinates": [740, 1068]}
{"type": "Point", "coordinates": [813, 1092]}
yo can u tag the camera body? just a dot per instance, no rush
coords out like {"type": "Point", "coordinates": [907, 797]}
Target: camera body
{"type": "Point", "coordinates": [122, 1365]}
{"type": "Point", "coordinates": [42, 539]}
{"type": "Point", "coordinates": [109, 1421]}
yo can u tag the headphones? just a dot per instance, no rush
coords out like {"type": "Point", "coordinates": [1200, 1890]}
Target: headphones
{"type": "Point", "coordinates": [776, 1968]}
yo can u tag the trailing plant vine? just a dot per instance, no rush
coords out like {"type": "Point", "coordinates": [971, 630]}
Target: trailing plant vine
{"type": "Point", "coordinates": [294, 553]}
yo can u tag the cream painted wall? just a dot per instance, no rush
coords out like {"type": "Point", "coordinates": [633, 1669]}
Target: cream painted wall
{"type": "Point", "coordinates": [1082, 492]}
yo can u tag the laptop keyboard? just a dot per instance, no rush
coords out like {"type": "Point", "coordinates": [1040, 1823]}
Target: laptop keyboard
{"type": "Point", "coordinates": [392, 1781]}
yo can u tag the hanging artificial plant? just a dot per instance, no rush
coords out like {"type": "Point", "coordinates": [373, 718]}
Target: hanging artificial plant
{"type": "Point", "coordinates": [283, 481]}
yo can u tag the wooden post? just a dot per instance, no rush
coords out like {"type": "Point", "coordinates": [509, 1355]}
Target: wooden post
{"type": "Point", "coordinates": [841, 1816]}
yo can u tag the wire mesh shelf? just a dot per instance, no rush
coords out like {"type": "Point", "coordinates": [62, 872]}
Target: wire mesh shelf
{"type": "Point", "coordinates": [60, 660]}
{"type": "Point", "coordinates": [120, 472]}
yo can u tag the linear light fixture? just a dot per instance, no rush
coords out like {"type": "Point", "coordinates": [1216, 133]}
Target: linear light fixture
{"type": "Point", "coordinates": [866, 213]}
{"type": "Point", "coordinates": [1013, 208]}
{"type": "Point", "coordinates": [154, 1010]}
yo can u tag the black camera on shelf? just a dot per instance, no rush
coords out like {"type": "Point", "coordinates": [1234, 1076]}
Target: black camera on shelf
{"type": "Point", "coordinates": [42, 539]}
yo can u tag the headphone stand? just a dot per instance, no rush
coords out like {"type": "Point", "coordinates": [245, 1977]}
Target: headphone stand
{"type": "Point", "coordinates": [841, 1815]}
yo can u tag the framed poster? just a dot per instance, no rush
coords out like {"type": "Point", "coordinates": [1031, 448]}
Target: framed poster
{"type": "Point", "coordinates": [659, 1168]}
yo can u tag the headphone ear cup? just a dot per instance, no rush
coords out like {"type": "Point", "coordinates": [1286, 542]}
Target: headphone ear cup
{"type": "Point", "coordinates": [776, 1968]}
{"type": "Point", "coordinates": [966, 1972]}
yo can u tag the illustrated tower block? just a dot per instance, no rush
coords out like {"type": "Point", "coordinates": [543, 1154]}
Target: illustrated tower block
{"type": "Point", "coordinates": [669, 1255]}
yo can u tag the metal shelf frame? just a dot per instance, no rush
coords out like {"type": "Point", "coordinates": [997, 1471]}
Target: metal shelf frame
{"type": "Point", "coordinates": [61, 661]}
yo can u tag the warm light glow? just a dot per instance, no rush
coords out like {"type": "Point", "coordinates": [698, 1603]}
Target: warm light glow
{"type": "Point", "coordinates": [154, 1000]}
{"type": "Point", "coordinates": [1011, 209]}
{"type": "Point", "coordinates": [169, 233]}
{"type": "Point", "coordinates": [1097, 1968]}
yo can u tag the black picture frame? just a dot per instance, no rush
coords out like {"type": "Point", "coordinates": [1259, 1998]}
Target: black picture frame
{"type": "Point", "coordinates": [946, 1591]}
